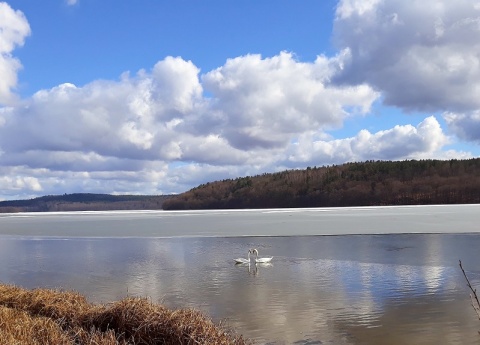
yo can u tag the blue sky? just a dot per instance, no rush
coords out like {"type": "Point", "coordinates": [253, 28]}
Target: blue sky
{"type": "Point", "coordinates": [156, 97]}
{"type": "Point", "coordinates": [100, 40]}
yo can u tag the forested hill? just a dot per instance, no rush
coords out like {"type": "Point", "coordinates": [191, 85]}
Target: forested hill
{"type": "Point", "coordinates": [353, 184]}
{"type": "Point", "coordinates": [84, 202]}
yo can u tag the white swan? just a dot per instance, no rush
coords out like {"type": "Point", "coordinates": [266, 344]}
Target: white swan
{"type": "Point", "coordinates": [261, 260]}
{"type": "Point", "coordinates": [242, 260]}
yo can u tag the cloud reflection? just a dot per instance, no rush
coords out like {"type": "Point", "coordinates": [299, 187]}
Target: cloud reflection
{"type": "Point", "coordinates": [339, 289]}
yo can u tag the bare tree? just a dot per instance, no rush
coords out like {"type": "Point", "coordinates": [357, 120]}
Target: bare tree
{"type": "Point", "coordinates": [473, 295]}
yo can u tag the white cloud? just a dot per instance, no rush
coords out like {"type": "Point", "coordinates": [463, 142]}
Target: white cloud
{"type": "Point", "coordinates": [71, 2]}
{"type": "Point", "coordinates": [130, 118]}
{"type": "Point", "coordinates": [14, 28]}
{"type": "Point", "coordinates": [263, 103]}
{"type": "Point", "coordinates": [257, 104]}
{"type": "Point", "coordinates": [466, 125]}
{"type": "Point", "coordinates": [349, 8]}
{"type": "Point", "coordinates": [23, 183]}
{"type": "Point", "coordinates": [422, 55]}
{"type": "Point", "coordinates": [401, 142]}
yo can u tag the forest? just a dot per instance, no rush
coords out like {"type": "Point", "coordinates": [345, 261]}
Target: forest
{"type": "Point", "coordinates": [84, 202]}
{"type": "Point", "coordinates": [370, 183]}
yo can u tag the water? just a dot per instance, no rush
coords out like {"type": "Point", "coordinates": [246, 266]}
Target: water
{"type": "Point", "coordinates": [355, 289]}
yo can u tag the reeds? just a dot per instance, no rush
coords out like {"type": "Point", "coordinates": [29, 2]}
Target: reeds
{"type": "Point", "coordinates": [44, 316]}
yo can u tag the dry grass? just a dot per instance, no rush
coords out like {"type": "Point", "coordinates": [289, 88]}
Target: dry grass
{"type": "Point", "coordinates": [44, 316]}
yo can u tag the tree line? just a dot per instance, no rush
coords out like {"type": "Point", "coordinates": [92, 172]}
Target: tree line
{"type": "Point", "coordinates": [370, 183]}
{"type": "Point", "coordinates": [84, 202]}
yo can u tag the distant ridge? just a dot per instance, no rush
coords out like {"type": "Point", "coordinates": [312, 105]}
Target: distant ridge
{"type": "Point", "coordinates": [370, 183]}
{"type": "Point", "coordinates": [84, 202]}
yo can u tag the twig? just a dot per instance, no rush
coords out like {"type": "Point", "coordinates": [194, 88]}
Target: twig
{"type": "Point", "coordinates": [473, 295]}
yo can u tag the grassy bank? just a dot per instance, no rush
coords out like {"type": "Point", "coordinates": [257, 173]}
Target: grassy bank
{"type": "Point", "coordinates": [43, 316]}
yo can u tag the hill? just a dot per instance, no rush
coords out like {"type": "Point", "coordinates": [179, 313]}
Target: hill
{"type": "Point", "coordinates": [353, 184]}
{"type": "Point", "coordinates": [84, 202]}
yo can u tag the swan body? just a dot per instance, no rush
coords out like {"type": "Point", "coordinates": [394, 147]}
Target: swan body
{"type": "Point", "coordinates": [243, 260]}
{"type": "Point", "coordinates": [261, 260]}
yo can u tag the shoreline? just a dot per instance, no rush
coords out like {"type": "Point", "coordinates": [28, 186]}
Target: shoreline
{"type": "Point", "coordinates": [228, 210]}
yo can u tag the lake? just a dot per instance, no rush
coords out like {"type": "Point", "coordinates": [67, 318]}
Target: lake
{"type": "Point", "coordinates": [371, 275]}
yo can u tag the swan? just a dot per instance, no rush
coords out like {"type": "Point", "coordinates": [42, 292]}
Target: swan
{"type": "Point", "coordinates": [242, 260]}
{"type": "Point", "coordinates": [261, 260]}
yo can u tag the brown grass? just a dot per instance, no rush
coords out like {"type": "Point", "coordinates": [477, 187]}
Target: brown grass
{"type": "Point", "coordinates": [43, 316]}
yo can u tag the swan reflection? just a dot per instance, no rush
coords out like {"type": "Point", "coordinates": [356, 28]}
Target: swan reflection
{"type": "Point", "coordinates": [253, 269]}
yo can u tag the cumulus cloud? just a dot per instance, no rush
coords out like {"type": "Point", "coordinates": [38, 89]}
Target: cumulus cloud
{"type": "Point", "coordinates": [264, 102]}
{"type": "Point", "coordinates": [129, 118]}
{"type": "Point", "coordinates": [401, 142]}
{"type": "Point", "coordinates": [20, 183]}
{"type": "Point", "coordinates": [14, 28]}
{"type": "Point", "coordinates": [466, 125]}
{"type": "Point", "coordinates": [423, 55]}
{"type": "Point", "coordinates": [162, 114]}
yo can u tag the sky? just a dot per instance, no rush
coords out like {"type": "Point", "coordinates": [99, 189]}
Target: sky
{"type": "Point", "coordinates": [158, 97]}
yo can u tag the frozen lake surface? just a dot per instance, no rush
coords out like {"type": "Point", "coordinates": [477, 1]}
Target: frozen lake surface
{"type": "Point", "coordinates": [263, 222]}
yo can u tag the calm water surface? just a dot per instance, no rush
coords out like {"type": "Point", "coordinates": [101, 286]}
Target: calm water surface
{"type": "Point", "coordinates": [349, 289]}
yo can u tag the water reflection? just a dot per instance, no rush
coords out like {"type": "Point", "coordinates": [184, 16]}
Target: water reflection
{"type": "Point", "coordinates": [253, 269]}
{"type": "Point", "coordinates": [341, 290]}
